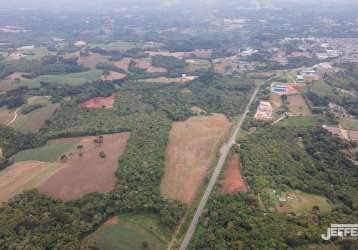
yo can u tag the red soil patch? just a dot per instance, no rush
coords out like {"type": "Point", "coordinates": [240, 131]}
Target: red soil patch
{"type": "Point", "coordinates": [111, 222]}
{"type": "Point", "coordinates": [292, 89]}
{"type": "Point", "coordinates": [87, 173]}
{"type": "Point", "coordinates": [190, 153]}
{"type": "Point", "coordinates": [233, 180]}
{"type": "Point", "coordinates": [99, 102]}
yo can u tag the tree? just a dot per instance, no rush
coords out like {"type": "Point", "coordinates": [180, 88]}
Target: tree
{"type": "Point", "coordinates": [80, 150]}
{"type": "Point", "coordinates": [102, 154]}
{"type": "Point", "coordinates": [63, 158]}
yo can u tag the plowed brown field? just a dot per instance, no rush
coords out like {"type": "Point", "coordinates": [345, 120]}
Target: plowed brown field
{"type": "Point", "coordinates": [190, 153]}
{"type": "Point", "coordinates": [87, 173]}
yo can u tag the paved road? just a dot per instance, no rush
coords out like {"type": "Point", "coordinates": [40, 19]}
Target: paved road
{"type": "Point", "coordinates": [224, 152]}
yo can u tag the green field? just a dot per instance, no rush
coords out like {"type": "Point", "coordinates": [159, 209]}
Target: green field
{"type": "Point", "coordinates": [304, 121]}
{"type": "Point", "coordinates": [118, 45]}
{"type": "Point", "coordinates": [131, 233]}
{"type": "Point", "coordinates": [294, 201]}
{"type": "Point", "coordinates": [70, 79]}
{"type": "Point", "coordinates": [48, 153]}
{"type": "Point", "coordinates": [38, 53]}
{"type": "Point", "coordinates": [349, 123]}
{"type": "Point", "coordinates": [322, 89]}
{"type": "Point", "coordinates": [302, 203]}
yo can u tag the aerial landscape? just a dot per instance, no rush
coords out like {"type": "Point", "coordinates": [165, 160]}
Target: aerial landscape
{"type": "Point", "coordinates": [174, 125]}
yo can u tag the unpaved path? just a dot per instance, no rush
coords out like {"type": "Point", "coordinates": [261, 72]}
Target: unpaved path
{"type": "Point", "coordinates": [13, 119]}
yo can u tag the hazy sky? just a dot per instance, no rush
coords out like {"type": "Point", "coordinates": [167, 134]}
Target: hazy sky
{"type": "Point", "coordinates": [125, 3]}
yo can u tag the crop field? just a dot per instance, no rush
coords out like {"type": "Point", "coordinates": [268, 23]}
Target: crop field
{"type": "Point", "coordinates": [130, 232]}
{"type": "Point", "coordinates": [23, 176]}
{"type": "Point", "coordinates": [70, 79]}
{"type": "Point", "coordinates": [92, 60]}
{"type": "Point", "coordinates": [190, 153]}
{"type": "Point", "coordinates": [99, 102]}
{"type": "Point", "coordinates": [322, 89]}
{"type": "Point", "coordinates": [233, 179]}
{"type": "Point", "coordinates": [91, 167]}
{"type": "Point", "coordinates": [298, 106]}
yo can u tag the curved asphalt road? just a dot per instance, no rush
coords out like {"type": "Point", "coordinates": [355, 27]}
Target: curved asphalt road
{"type": "Point", "coordinates": [224, 152]}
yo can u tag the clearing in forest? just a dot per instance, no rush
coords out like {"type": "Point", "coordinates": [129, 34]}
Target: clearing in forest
{"type": "Point", "coordinates": [233, 179]}
{"type": "Point", "coordinates": [25, 175]}
{"type": "Point", "coordinates": [90, 167]}
{"type": "Point", "coordinates": [129, 232]}
{"type": "Point", "coordinates": [191, 151]}
{"type": "Point", "coordinates": [99, 102]}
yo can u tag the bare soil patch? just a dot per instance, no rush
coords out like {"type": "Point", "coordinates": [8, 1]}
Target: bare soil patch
{"type": "Point", "coordinates": [276, 100]}
{"type": "Point", "coordinates": [87, 173]}
{"type": "Point", "coordinates": [298, 106]}
{"type": "Point", "coordinates": [25, 175]}
{"type": "Point", "coordinates": [17, 76]}
{"type": "Point", "coordinates": [190, 153]}
{"type": "Point", "coordinates": [146, 64]}
{"type": "Point", "coordinates": [99, 102]}
{"type": "Point", "coordinates": [233, 179]}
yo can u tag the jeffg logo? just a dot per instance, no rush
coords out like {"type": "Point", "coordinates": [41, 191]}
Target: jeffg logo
{"type": "Point", "coordinates": [341, 231]}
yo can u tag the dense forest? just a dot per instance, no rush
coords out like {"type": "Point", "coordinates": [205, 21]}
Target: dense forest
{"type": "Point", "coordinates": [306, 159]}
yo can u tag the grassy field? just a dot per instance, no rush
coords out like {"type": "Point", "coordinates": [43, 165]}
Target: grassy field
{"type": "Point", "coordinates": [48, 153]}
{"type": "Point", "coordinates": [322, 89]}
{"type": "Point", "coordinates": [130, 232]}
{"type": "Point", "coordinates": [70, 79]}
{"type": "Point", "coordinates": [349, 123]}
{"type": "Point", "coordinates": [118, 45]}
{"type": "Point", "coordinates": [33, 121]}
{"type": "Point", "coordinates": [301, 203]}
{"type": "Point", "coordinates": [302, 121]}
{"type": "Point", "coordinates": [38, 53]}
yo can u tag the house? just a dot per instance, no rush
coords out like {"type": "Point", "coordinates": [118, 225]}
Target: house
{"type": "Point", "coordinates": [264, 111]}
{"type": "Point", "coordinates": [300, 78]}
